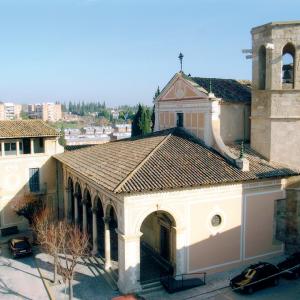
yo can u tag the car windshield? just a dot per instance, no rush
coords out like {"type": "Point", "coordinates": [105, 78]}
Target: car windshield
{"type": "Point", "coordinates": [21, 245]}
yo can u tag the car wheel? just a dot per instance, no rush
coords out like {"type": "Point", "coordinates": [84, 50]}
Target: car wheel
{"type": "Point", "coordinates": [275, 281]}
{"type": "Point", "coordinates": [250, 290]}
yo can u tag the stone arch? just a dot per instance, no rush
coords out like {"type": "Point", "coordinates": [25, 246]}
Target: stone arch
{"type": "Point", "coordinates": [141, 217]}
{"type": "Point", "coordinates": [288, 66]}
{"type": "Point", "coordinates": [88, 210]}
{"type": "Point", "coordinates": [158, 249]}
{"type": "Point", "coordinates": [112, 219]}
{"type": "Point", "coordinates": [262, 67]}
{"type": "Point", "coordinates": [71, 204]}
{"type": "Point", "coordinates": [107, 207]}
{"type": "Point", "coordinates": [79, 194]}
{"type": "Point", "coordinates": [99, 210]}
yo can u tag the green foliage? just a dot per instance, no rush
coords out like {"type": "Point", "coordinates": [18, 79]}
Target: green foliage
{"type": "Point", "coordinates": [156, 93]}
{"type": "Point", "coordinates": [28, 207]}
{"type": "Point", "coordinates": [153, 118]}
{"type": "Point", "coordinates": [62, 140]}
{"type": "Point", "coordinates": [141, 123]}
{"type": "Point", "coordinates": [24, 115]}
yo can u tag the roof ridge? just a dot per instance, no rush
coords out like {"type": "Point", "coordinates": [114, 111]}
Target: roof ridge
{"type": "Point", "coordinates": [138, 167]}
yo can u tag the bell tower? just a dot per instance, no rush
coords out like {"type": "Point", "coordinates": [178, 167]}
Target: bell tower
{"type": "Point", "coordinates": [275, 108]}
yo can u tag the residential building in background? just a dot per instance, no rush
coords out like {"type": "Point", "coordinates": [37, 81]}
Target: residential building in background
{"type": "Point", "coordinates": [45, 111]}
{"type": "Point", "coordinates": [10, 111]}
{"type": "Point", "coordinates": [26, 149]}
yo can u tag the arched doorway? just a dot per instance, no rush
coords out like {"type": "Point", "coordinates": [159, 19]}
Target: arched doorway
{"type": "Point", "coordinates": [71, 206]}
{"type": "Point", "coordinates": [100, 226]}
{"type": "Point", "coordinates": [158, 246]}
{"type": "Point", "coordinates": [89, 213]}
{"type": "Point", "coordinates": [79, 204]}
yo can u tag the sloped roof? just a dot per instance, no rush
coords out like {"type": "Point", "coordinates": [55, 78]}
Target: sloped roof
{"type": "Point", "coordinates": [230, 90]}
{"type": "Point", "coordinates": [25, 128]}
{"type": "Point", "coordinates": [163, 160]}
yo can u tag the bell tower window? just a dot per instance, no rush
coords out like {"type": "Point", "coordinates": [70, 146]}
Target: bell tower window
{"type": "Point", "coordinates": [179, 120]}
{"type": "Point", "coordinates": [288, 63]}
{"type": "Point", "coordinates": [262, 68]}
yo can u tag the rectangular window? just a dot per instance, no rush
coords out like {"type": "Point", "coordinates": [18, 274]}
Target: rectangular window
{"type": "Point", "coordinates": [34, 179]}
{"type": "Point", "coordinates": [179, 121]}
{"type": "Point", "coordinates": [38, 145]}
{"type": "Point", "coordinates": [10, 148]}
{"type": "Point", "coordinates": [7, 147]}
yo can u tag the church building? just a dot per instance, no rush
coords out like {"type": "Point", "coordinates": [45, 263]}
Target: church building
{"type": "Point", "coordinates": [192, 196]}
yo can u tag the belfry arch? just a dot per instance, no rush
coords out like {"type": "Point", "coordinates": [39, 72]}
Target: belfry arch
{"type": "Point", "coordinates": [288, 66]}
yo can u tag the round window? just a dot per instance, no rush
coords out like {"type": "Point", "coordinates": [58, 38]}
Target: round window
{"type": "Point", "coordinates": [216, 220]}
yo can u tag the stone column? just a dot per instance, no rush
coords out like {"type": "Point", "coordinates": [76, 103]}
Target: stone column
{"type": "Point", "coordinates": [95, 232]}
{"type": "Point", "coordinates": [66, 205]}
{"type": "Point", "coordinates": [31, 146]}
{"type": "Point", "coordinates": [129, 263]}
{"type": "Point", "coordinates": [84, 216]}
{"type": "Point", "coordinates": [18, 147]}
{"type": "Point", "coordinates": [76, 208]}
{"type": "Point", "coordinates": [107, 252]}
{"type": "Point", "coordinates": [2, 149]}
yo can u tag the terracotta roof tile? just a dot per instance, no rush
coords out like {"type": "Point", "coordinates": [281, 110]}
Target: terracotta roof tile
{"type": "Point", "coordinates": [230, 90]}
{"type": "Point", "coordinates": [25, 128]}
{"type": "Point", "coordinates": [164, 160]}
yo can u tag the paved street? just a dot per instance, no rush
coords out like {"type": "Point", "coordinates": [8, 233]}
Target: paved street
{"type": "Point", "coordinates": [19, 278]}
{"type": "Point", "coordinates": [287, 290]}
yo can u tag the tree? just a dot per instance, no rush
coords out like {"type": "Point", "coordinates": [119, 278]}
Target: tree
{"type": "Point", "coordinates": [153, 118]}
{"type": "Point", "coordinates": [48, 235]}
{"type": "Point", "coordinates": [62, 139]}
{"type": "Point", "coordinates": [135, 129]}
{"type": "Point", "coordinates": [75, 246]}
{"type": "Point", "coordinates": [157, 93]}
{"type": "Point", "coordinates": [28, 207]}
{"type": "Point", "coordinates": [145, 121]}
{"type": "Point", "coordinates": [141, 123]}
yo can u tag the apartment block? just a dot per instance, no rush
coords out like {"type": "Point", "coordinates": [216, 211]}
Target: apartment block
{"type": "Point", "coordinates": [10, 111]}
{"type": "Point", "coordinates": [45, 111]}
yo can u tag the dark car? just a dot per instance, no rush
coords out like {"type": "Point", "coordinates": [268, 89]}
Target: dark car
{"type": "Point", "coordinates": [256, 277]}
{"type": "Point", "coordinates": [20, 247]}
{"type": "Point", "coordinates": [290, 266]}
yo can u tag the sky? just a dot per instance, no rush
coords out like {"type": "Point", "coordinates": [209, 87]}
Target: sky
{"type": "Point", "coordinates": [119, 51]}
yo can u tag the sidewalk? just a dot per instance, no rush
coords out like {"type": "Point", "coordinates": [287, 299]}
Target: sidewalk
{"type": "Point", "coordinates": [214, 283]}
{"type": "Point", "coordinates": [88, 281]}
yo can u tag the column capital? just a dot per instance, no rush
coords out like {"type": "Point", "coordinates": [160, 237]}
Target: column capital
{"type": "Point", "coordinates": [76, 195]}
{"type": "Point", "coordinates": [106, 220]}
{"type": "Point", "coordinates": [128, 237]}
{"type": "Point", "coordinates": [94, 210]}
{"type": "Point", "coordinates": [84, 201]}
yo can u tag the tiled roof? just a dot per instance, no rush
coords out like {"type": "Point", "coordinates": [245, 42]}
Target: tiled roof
{"type": "Point", "coordinates": [76, 147]}
{"type": "Point", "coordinates": [25, 128]}
{"type": "Point", "coordinates": [163, 160]}
{"type": "Point", "coordinates": [230, 90]}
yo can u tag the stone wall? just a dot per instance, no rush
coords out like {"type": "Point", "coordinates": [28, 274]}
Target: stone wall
{"type": "Point", "coordinates": [288, 216]}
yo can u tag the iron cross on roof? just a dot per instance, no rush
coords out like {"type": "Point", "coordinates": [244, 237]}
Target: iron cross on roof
{"type": "Point", "coordinates": [180, 58]}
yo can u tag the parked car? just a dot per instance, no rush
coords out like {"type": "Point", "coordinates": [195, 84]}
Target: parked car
{"type": "Point", "coordinates": [293, 262]}
{"type": "Point", "coordinates": [256, 277]}
{"type": "Point", "coordinates": [20, 247]}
